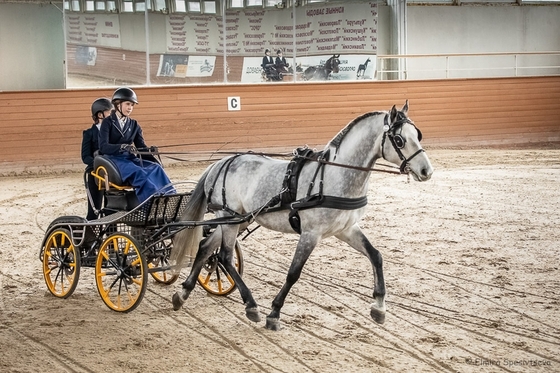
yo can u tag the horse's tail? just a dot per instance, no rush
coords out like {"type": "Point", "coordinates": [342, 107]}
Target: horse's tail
{"type": "Point", "coordinates": [186, 241]}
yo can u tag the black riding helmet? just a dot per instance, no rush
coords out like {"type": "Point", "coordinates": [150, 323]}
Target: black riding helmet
{"type": "Point", "coordinates": [100, 105]}
{"type": "Point", "coordinates": [124, 94]}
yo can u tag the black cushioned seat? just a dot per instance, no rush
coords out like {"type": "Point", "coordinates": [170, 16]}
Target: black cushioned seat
{"type": "Point", "coordinates": [118, 194]}
{"type": "Point", "coordinates": [110, 168]}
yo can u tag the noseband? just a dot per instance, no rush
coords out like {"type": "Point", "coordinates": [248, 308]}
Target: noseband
{"type": "Point", "coordinates": [397, 140]}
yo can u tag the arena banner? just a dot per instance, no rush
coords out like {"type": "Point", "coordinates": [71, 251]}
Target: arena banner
{"type": "Point", "coordinates": [340, 28]}
{"type": "Point", "coordinates": [173, 65]}
{"type": "Point", "coordinates": [352, 67]}
{"type": "Point", "coordinates": [201, 66]}
{"type": "Point", "coordinates": [182, 66]}
{"type": "Point", "coordinates": [93, 29]}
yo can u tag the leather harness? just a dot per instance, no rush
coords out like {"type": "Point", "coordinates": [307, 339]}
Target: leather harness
{"type": "Point", "coordinates": [290, 186]}
{"type": "Point", "coordinates": [287, 198]}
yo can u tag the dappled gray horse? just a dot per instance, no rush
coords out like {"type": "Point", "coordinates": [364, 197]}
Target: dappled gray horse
{"type": "Point", "coordinates": [322, 196]}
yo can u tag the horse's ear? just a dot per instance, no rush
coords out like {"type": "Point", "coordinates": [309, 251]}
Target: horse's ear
{"type": "Point", "coordinates": [393, 113]}
{"type": "Point", "coordinates": [405, 108]}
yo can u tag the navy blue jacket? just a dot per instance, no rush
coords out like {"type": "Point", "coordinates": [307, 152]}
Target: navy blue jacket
{"type": "Point", "coordinates": [90, 144]}
{"type": "Point", "coordinates": [111, 137]}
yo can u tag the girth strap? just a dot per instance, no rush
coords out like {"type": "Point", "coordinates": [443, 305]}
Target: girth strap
{"type": "Point", "coordinates": [330, 202]}
{"type": "Point", "coordinates": [320, 200]}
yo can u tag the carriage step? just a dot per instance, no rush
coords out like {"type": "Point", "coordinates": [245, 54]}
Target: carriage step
{"type": "Point", "coordinates": [78, 233]}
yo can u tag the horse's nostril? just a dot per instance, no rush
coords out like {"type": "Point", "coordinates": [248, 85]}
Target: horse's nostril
{"type": "Point", "coordinates": [426, 172]}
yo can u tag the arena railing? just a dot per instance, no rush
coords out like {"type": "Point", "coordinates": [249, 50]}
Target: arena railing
{"type": "Point", "coordinates": [467, 65]}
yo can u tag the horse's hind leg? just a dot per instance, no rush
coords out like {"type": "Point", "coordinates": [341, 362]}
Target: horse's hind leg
{"type": "Point", "coordinates": [306, 244]}
{"type": "Point", "coordinates": [226, 257]}
{"type": "Point", "coordinates": [205, 249]}
{"type": "Point", "coordinates": [355, 238]}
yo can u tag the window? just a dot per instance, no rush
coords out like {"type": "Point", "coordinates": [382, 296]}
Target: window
{"type": "Point", "coordinates": [90, 6]}
{"type": "Point", "coordinates": [75, 5]}
{"type": "Point", "coordinates": [127, 6]}
{"type": "Point", "coordinates": [210, 7]}
{"type": "Point", "coordinates": [160, 5]}
{"type": "Point", "coordinates": [180, 6]}
{"type": "Point", "coordinates": [193, 6]}
{"type": "Point", "coordinates": [140, 5]}
{"type": "Point", "coordinates": [100, 5]}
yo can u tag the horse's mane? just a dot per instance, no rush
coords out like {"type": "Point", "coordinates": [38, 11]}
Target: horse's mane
{"type": "Point", "coordinates": [343, 132]}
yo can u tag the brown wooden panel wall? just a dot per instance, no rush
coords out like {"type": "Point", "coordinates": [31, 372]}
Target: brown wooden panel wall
{"type": "Point", "coordinates": [41, 130]}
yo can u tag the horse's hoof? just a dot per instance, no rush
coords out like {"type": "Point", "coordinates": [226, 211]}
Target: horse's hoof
{"type": "Point", "coordinates": [377, 315]}
{"type": "Point", "coordinates": [253, 314]}
{"type": "Point", "coordinates": [272, 323]}
{"type": "Point", "coordinates": [177, 302]}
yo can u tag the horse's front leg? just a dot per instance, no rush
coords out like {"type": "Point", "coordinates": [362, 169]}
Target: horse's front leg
{"type": "Point", "coordinates": [356, 238]}
{"type": "Point", "coordinates": [205, 249]}
{"type": "Point", "coordinates": [306, 244]}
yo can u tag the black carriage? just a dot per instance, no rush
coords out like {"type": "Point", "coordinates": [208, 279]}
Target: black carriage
{"type": "Point", "coordinates": [126, 243]}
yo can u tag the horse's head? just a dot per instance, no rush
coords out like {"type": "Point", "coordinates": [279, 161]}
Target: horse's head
{"type": "Point", "coordinates": [332, 63]}
{"type": "Point", "coordinates": [401, 144]}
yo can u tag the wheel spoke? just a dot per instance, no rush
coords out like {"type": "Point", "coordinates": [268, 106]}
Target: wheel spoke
{"type": "Point", "coordinates": [61, 263]}
{"type": "Point", "coordinates": [123, 288]}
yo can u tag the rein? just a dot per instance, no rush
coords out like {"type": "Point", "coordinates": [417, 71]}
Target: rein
{"type": "Point", "coordinates": [323, 161]}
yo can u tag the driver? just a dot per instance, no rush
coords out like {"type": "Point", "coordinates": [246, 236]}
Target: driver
{"type": "Point", "coordinates": [119, 137]}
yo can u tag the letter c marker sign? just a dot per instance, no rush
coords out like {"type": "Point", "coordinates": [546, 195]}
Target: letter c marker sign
{"type": "Point", "coordinates": [234, 103]}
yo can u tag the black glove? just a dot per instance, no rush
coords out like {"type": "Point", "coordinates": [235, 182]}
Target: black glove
{"type": "Point", "coordinates": [128, 148]}
{"type": "Point", "coordinates": [153, 149]}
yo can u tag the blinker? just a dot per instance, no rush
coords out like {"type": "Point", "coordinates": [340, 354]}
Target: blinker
{"type": "Point", "coordinates": [399, 141]}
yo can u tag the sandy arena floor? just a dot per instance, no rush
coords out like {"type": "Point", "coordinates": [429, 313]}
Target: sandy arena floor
{"type": "Point", "coordinates": [471, 267]}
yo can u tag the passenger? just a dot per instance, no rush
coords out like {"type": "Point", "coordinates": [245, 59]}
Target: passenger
{"type": "Point", "coordinates": [119, 138]}
{"type": "Point", "coordinates": [281, 63]}
{"type": "Point", "coordinates": [268, 67]}
{"type": "Point", "coordinates": [100, 109]}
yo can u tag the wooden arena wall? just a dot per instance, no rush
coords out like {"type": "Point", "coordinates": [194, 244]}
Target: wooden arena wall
{"type": "Point", "coordinates": [41, 131]}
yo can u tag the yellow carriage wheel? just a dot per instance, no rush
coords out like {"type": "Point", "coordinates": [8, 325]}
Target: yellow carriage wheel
{"type": "Point", "coordinates": [159, 265]}
{"type": "Point", "coordinates": [121, 273]}
{"type": "Point", "coordinates": [61, 263]}
{"type": "Point", "coordinates": [214, 278]}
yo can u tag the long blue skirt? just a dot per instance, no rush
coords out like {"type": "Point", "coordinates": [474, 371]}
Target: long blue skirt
{"type": "Point", "coordinates": [146, 177]}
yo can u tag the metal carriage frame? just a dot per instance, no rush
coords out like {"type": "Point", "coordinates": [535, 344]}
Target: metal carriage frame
{"type": "Point", "coordinates": [124, 247]}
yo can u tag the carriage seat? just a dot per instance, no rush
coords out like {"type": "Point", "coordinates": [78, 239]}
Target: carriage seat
{"type": "Point", "coordinates": [107, 174]}
{"type": "Point", "coordinates": [119, 195]}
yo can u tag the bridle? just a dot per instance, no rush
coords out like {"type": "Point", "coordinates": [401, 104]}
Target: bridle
{"type": "Point", "coordinates": [397, 140]}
